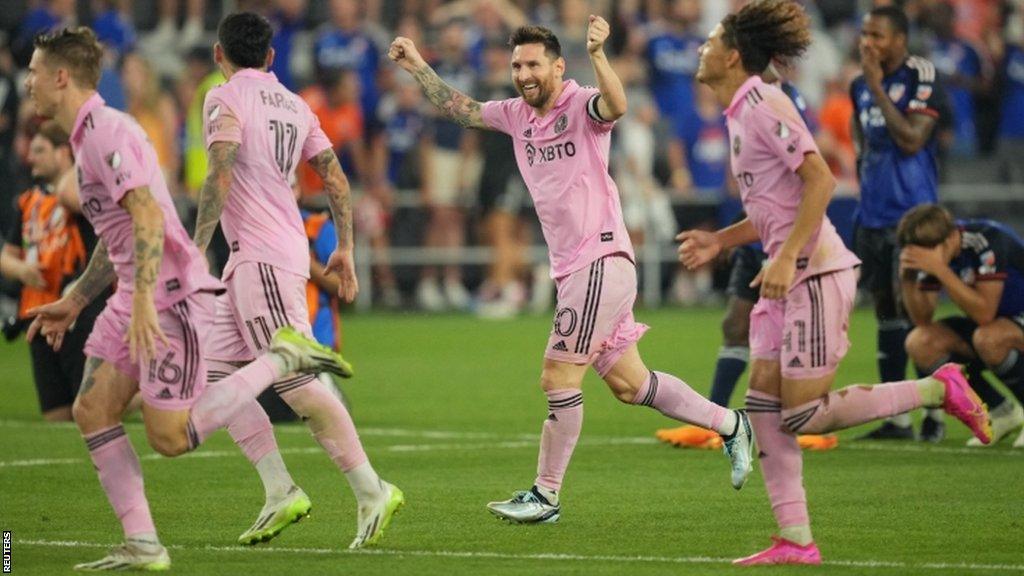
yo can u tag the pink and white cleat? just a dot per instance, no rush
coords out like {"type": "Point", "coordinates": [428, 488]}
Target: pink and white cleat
{"type": "Point", "coordinates": [783, 551]}
{"type": "Point", "coordinates": [963, 403]}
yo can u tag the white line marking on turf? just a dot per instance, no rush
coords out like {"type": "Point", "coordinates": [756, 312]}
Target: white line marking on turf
{"type": "Point", "coordinates": [539, 556]}
{"type": "Point", "coordinates": [39, 462]}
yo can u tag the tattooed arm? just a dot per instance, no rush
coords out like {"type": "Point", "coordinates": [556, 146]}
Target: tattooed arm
{"type": "Point", "coordinates": [148, 235]}
{"type": "Point", "coordinates": [95, 279]}
{"type": "Point", "coordinates": [458, 107]}
{"type": "Point", "coordinates": [215, 191]}
{"type": "Point", "coordinates": [339, 197]}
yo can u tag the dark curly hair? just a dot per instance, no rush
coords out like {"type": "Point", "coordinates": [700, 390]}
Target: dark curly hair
{"type": "Point", "coordinates": [767, 30]}
{"type": "Point", "coordinates": [74, 48]}
{"type": "Point", "coordinates": [537, 35]}
{"type": "Point", "coordinates": [245, 38]}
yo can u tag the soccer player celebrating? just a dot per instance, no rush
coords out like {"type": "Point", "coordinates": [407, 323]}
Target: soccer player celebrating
{"type": "Point", "coordinates": [798, 327]}
{"type": "Point", "coordinates": [897, 104]}
{"type": "Point", "coordinates": [562, 133]}
{"type": "Point", "coordinates": [149, 336]}
{"type": "Point", "coordinates": [256, 132]}
{"type": "Point", "coordinates": [980, 264]}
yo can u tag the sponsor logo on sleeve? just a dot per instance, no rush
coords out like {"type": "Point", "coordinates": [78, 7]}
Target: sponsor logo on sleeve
{"type": "Point", "coordinates": [896, 91]}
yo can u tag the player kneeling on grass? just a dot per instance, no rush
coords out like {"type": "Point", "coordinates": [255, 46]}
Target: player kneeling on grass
{"type": "Point", "coordinates": [150, 335]}
{"type": "Point", "coordinates": [980, 264]}
{"type": "Point", "coordinates": [798, 328]}
{"type": "Point", "coordinates": [561, 133]}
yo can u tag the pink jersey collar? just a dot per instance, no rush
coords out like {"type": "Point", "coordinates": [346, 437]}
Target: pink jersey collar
{"type": "Point", "coordinates": [751, 83]}
{"type": "Point", "coordinates": [95, 101]}
{"type": "Point", "coordinates": [254, 73]}
{"type": "Point", "coordinates": [569, 87]}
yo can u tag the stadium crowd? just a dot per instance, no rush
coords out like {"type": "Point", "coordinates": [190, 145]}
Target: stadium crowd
{"type": "Point", "coordinates": [423, 181]}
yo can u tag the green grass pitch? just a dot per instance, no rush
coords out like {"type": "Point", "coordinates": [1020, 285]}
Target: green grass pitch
{"type": "Point", "coordinates": [449, 409]}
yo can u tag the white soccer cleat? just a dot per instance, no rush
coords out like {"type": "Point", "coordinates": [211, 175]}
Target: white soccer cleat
{"type": "Point", "coordinates": [1003, 425]}
{"type": "Point", "coordinates": [274, 518]}
{"type": "Point", "coordinates": [740, 450]}
{"type": "Point", "coordinates": [130, 556]}
{"type": "Point", "coordinates": [303, 354]}
{"type": "Point", "coordinates": [526, 507]}
{"type": "Point", "coordinates": [375, 520]}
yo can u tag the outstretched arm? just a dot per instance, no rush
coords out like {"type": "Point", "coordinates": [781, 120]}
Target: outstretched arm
{"type": "Point", "coordinates": [458, 107]}
{"type": "Point", "coordinates": [340, 199]}
{"type": "Point", "coordinates": [215, 191]}
{"type": "Point", "coordinates": [612, 103]}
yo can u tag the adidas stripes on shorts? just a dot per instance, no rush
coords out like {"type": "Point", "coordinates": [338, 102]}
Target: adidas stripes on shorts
{"type": "Point", "coordinates": [593, 321]}
{"type": "Point", "coordinates": [176, 375]}
{"type": "Point", "coordinates": [807, 332]}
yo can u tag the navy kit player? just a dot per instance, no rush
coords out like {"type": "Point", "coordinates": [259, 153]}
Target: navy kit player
{"type": "Point", "coordinates": [980, 264]}
{"type": "Point", "coordinates": [897, 104]}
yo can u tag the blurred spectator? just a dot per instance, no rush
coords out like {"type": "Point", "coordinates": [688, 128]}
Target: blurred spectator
{"type": "Point", "coordinates": [199, 67]}
{"type": "Point", "coordinates": [645, 206]}
{"type": "Point", "coordinates": [571, 29]}
{"type": "Point", "coordinates": [455, 169]}
{"type": "Point", "coordinates": [166, 45]}
{"type": "Point", "coordinates": [45, 251]}
{"type": "Point", "coordinates": [834, 136]}
{"type": "Point", "coordinates": [704, 143]}
{"type": "Point", "coordinates": [502, 194]}
{"type": "Point", "coordinates": [669, 47]}
{"type": "Point", "coordinates": [9, 105]}
{"type": "Point", "coordinates": [336, 105]}
{"type": "Point", "coordinates": [48, 15]}
{"type": "Point", "coordinates": [1010, 148]}
{"type": "Point", "coordinates": [344, 43]}
{"type": "Point", "coordinates": [154, 110]}
{"type": "Point", "coordinates": [287, 18]}
{"type": "Point", "coordinates": [963, 74]}
{"type": "Point", "coordinates": [488, 21]}
{"type": "Point", "coordinates": [112, 26]}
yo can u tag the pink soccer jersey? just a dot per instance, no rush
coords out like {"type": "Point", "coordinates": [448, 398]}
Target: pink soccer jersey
{"type": "Point", "coordinates": [563, 158]}
{"type": "Point", "coordinates": [769, 141]}
{"type": "Point", "coordinates": [275, 130]}
{"type": "Point", "coordinates": [113, 156]}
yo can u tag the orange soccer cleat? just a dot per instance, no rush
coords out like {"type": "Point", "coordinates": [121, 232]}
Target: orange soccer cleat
{"type": "Point", "coordinates": [690, 437]}
{"type": "Point", "coordinates": [817, 442]}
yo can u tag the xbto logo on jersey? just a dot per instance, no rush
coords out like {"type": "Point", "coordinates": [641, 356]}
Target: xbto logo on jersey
{"type": "Point", "coordinates": [549, 153]}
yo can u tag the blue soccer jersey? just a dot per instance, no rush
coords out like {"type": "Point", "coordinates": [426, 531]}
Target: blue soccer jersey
{"type": "Point", "coordinates": [892, 182]}
{"type": "Point", "coordinates": [336, 50]}
{"type": "Point", "coordinates": [1011, 121]}
{"type": "Point", "coordinates": [958, 58]}
{"type": "Point", "coordinates": [989, 251]}
{"type": "Point", "coordinates": [672, 61]}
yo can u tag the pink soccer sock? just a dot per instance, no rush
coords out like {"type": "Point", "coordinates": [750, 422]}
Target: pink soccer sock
{"type": "Point", "coordinates": [558, 437]}
{"type": "Point", "coordinates": [219, 404]}
{"type": "Point", "coordinates": [673, 398]}
{"type": "Point", "coordinates": [250, 428]}
{"type": "Point", "coordinates": [781, 460]}
{"type": "Point", "coordinates": [121, 477]}
{"type": "Point", "coordinates": [851, 406]}
{"type": "Point", "coordinates": [327, 418]}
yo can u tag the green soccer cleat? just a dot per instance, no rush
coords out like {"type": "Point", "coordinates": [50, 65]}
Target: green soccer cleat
{"type": "Point", "coordinates": [273, 519]}
{"type": "Point", "coordinates": [130, 556]}
{"type": "Point", "coordinates": [376, 520]}
{"type": "Point", "coordinates": [303, 354]}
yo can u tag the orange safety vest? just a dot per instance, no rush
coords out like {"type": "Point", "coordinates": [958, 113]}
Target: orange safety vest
{"type": "Point", "coordinates": [50, 238]}
{"type": "Point", "coordinates": [313, 224]}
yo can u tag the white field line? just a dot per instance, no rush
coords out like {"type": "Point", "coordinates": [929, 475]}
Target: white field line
{"type": "Point", "coordinates": [875, 564]}
{"type": "Point", "coordinates": [495, 441]}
